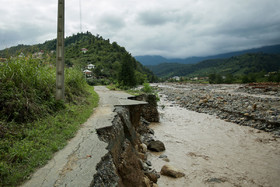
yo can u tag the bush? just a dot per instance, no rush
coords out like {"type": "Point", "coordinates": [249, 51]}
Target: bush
{"type": "Point", "coordinates": [147, 88]}
{"type": "Point", "coordinates": [27, 88]}
{"type": "Point", "coordinates": [95, 82]}
{"type": "Point", "coordinates": [75, 84]}
{"type": "Point", "coordinates": [33, 125]}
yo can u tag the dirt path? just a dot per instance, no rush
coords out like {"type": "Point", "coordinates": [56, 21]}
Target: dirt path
{"type": "Point", "coordinates": [212, 152]}
{"type": "Point", "coordinates": [75, 164]}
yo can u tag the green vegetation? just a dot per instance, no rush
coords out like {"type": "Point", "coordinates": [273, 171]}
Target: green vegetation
{"type": "Point", "coordinates": [235, 69]}
{"type": "Point", "coordinates": [83, 49]}
{"type": "Point", "coordinates": [126, 74]}
{"type": "Point", "coordinates": [33, 125]}
{"type": "Point", "coordinates": [147, 88]}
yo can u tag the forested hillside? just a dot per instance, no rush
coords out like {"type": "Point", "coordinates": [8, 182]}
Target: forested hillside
{"type": "Point", "coordinates": [83, 49]}
{"type": "Point", "coordinates": [238, 65]}
{"type": "Point", "coordinates": [148, 60]}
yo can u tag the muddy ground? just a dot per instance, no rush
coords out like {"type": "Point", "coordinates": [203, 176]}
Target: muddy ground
{"type": "Point", "coordinates": [210, 150]}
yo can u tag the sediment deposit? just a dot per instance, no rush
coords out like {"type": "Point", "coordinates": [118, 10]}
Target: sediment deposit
{"type": "Point", "coordinates": [247, 105]}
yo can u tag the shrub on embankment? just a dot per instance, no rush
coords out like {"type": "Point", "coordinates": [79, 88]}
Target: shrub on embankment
{"type": "Point", "coordinates": [27, 88]}
{"type": "Point", "coordinates": [33, 125]}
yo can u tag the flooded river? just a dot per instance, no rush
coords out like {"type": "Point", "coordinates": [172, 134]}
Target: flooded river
{"type": "Point", "coordinates": [212, 152]}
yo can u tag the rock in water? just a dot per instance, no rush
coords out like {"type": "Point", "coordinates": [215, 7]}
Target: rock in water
{"type": "Point", "coordinates": [152, 176]}
{"type": "Point", "coordinates": [162, 156]}
{"type": "Point", "coordinates": [143, 148]}
{"type": "Point", "coordinates": [157, 146]}
{"type": "Point", "coordinates": [171, 171]}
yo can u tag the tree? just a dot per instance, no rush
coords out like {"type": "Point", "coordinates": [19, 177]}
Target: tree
{"type": "Point", "coordinates": [252, 77]}
{"type": "Point", "coordinates": [245, 79]}
{"type": "Point", "coordinates": [212, 78]}
{"type": "Point", "coordinates": [277, 78]}
{"type": "Point", "coordinates": [229, 79]}
{"type": "Point", "coordinates": [140, 78]}
{"type": "Point", "coordinates": [98, 71]}
{"type": "Point", "coordinates": [219, 79]}
{"type": "Point", "coordinates": [126, 76]}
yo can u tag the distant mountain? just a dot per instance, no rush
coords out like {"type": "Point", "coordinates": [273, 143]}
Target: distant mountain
{"type": "Point", "coordinates": [237, 65]}
{"type": "Point", "coordinates": [155, 60]}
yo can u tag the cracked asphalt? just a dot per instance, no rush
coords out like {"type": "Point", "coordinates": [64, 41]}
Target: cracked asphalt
{"type": "Point", "coordinates": [75, 164]}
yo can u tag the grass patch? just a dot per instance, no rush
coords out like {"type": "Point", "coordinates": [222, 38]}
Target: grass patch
{"type": "Point", "coordinates": [145, 89]}
{"type": "Point", "coordinates": [24, 149]}
{"type": "Point", "coordinates": [113, 87]}
{"type": "Point", "coordinates": [33, 125]}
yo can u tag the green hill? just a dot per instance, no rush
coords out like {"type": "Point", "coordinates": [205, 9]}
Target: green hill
{"type": "Point", "coordinates": [238, 65]}
{"type": "Point", "coordinates": [106, 56]}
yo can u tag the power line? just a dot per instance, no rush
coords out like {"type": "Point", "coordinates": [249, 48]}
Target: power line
{"type": "Point", "coordinates": [81, 28]}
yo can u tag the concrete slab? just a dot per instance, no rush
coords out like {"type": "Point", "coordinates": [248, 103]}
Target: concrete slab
{"type": "Point", "coordinates": [75, 164]}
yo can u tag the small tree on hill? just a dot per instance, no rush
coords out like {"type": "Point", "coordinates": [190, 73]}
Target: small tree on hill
{"type": "Point", "coordinates": [212, 78]}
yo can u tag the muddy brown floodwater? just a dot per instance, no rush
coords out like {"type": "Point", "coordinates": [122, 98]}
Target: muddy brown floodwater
{"type": "Point", "coordinates": [212, 152]}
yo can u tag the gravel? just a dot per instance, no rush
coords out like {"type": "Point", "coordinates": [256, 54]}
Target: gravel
{"type": "Point", "coordinates": [257, 106]}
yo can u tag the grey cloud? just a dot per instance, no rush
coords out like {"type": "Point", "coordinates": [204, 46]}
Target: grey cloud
{"type": "Point", "coordinates": [163, 17]}
{"type": "Point", "coordinates": [153, 18]}
{"type": "Point", "coordinates": [28, 34]}
{"type": "Point", "coordinates": [170, 28]}
{"type": "Point", "coordinates": [111, 22]}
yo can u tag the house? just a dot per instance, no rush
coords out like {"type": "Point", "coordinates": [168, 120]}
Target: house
{"type": "Point", "coordinates": [270, 73]}
{"type": "Point", "coordinates": [88, 73]}
{"type": "Point", "coordinates": [176, 78]}
{"type": "Point", "coordinates": [3, 59]}
{"type": "Point", "coordinates": [21, 55]}
{"type": "Point", "coordinates": [194, 78]}
{"type": "Point", "coordinates": [84, 50]}
{"type": "Point", "coordinates": [203, 78]}
{"type": "Point", "coordinates": [90, 66]}
{"type": "Point", "coordinates": [38, 54]}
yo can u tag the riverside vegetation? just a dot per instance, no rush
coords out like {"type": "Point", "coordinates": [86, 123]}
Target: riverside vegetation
{"type": "Point", "coordinates": [33, 125]}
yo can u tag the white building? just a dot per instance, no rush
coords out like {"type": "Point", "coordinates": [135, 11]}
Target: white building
{"type": "Point", "coordinates": [84, 50]}
{"type": "Point", "coordinates": [177, 78]}
{"type": "Point", "coordinates": [90, 66]}
{"type": "Point", "coordinates": [88, 73]}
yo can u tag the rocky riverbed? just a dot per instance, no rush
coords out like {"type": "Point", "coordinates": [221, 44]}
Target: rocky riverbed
{"type": "Point", "coordinates": [257, 106]}
{"type": "Point", "coordinates": [213, 152]}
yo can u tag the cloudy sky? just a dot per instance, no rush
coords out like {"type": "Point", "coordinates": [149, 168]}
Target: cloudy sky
{"type": "Point", "coordinates": [171, 28]}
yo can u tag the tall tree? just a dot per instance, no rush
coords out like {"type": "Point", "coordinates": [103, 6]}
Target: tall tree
{"type": "Point", "coordinates": [126, 75]}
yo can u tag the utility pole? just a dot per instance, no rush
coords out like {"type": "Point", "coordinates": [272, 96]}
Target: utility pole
{"type": "Point", "coordinates": [60, 52]}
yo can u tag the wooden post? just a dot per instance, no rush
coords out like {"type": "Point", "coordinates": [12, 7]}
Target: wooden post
{"type": "Point", "coordinates": [60, 52]}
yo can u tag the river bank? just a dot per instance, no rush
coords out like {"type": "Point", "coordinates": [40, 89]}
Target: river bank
{"type": "Point", "coordinates": [213, 152]}
{"type": "Point", "coordinates": [254, 106]}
